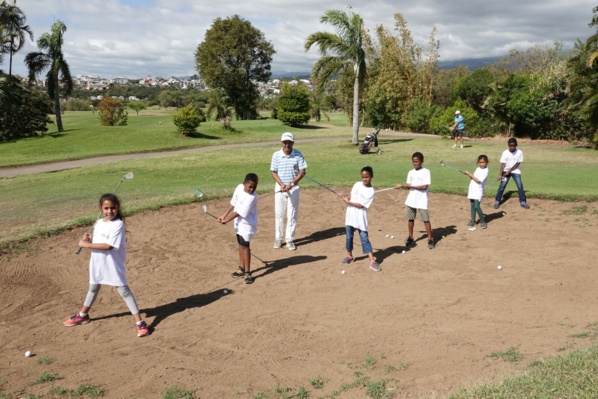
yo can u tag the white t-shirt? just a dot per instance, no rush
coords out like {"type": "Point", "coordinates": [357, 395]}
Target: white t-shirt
{"type": "Point", "coordinates": [510, 159]}
{"type": "Point", "coordinates": [358, 217]}
{"type": "Point", "coordinates": [245, 205]}
{"type": "Point", "coordinates": [418, 199]}
{"type": "Point", "coordinates": [476, 190]}
{"type": "Point", "coordinates": [108, 266]}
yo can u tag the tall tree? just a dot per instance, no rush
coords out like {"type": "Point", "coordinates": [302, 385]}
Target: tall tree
{"type": "Point", "coordinates": [51, 58]}
{"type": "Point", "coordinates": [234, 56]}
{"type": "Point", "coordinates": [341, 52]}
{"type": "Point", "coordinates": [14, 30]}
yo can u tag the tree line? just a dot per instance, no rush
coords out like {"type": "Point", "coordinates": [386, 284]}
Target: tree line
{"type": "Point", "coordinates": [383, 79]}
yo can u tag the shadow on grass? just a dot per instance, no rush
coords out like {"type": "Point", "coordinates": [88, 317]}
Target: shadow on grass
{"type": "Point", "coordinates": [197, 135]}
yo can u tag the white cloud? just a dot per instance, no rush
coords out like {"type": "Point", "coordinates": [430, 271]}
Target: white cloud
{"type": "Point", "coordinates": [133, 38]}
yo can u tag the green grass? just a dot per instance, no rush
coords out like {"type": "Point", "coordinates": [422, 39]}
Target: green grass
{"type": "Point", "coordinates": [152, 130]}
{"type": "Point", "coordinates": [46, 377]}
{"type": "Point", "coordinates": [177, 393]}
{"type": "Point", "coordinates": [49, 203]}
{"type": "Point", "coordinates": [510, 355]}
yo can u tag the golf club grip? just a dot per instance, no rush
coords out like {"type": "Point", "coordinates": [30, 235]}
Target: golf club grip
{"type": "Point", "coordinates": [78, 250]}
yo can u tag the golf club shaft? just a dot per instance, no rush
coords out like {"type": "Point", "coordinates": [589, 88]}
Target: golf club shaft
{"type": "Point", "coordinates": [100, 215]}
{"type": "Point", "coordinates": [385, 189]}
{"type": "Point", "coordinates": [318, 183]}
{"type": "Point", "coordinates": [208, 213]}
{"type": "Point", "coordinates": [450, 167]}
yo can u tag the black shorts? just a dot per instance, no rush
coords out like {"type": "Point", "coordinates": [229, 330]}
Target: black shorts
{"type": "Point", "coordinates": [459, 133]}
{"type": "Point", "coordinates": [242, 241]}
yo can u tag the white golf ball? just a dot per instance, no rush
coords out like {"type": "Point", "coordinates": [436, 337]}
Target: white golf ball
{"type": "Point", "coordinates": [387, 236]}
{"type": "Point", "coordinates": [392, 237]}
{"type": "Point", "coordinates": [225, 292]}
{"type": "Point", "coordinates": [28, 354]}
{"type": "Point", "coordinates": [403, 251]}
{"type": "Point", "coordinates": [499, 267]}
{"type": "Point", "coordinates": [343, 272]}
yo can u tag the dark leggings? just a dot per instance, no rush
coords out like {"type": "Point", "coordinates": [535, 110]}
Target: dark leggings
{"type": "Point", "coordinates": [475, 208]}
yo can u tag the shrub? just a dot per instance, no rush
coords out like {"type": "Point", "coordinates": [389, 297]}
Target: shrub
{"type": "Point", "coordinates": [29, 119]}
{"type": "Point", "coordinates": [293, 105]}
{"type": "Point", "coordinates": [112, 112]}
{"type": "Point", "coordinates": [188, 119]}
{"type": "Point", "coordinates": [76, 104]}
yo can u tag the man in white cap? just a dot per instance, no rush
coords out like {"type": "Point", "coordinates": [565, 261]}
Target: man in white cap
{"type": "Point", "coordinates": [288, 167]}
{"type": "Point", "coordinates": [460, 126]}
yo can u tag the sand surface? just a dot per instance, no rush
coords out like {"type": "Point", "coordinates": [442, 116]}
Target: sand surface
{"type": "Point", "coordinates": [426, 324]}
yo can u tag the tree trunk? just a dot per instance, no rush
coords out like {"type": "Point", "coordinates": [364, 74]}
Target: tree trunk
{"type": "Point", "coordinates": [57, 108]}
{"type": "Point", "coordinates": [355, 139]}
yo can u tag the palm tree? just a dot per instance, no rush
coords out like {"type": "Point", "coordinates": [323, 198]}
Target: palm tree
{"type": "Point", "coordinates": [12, 22]}
{"type": "Point", "coordinates": [349, 54]}
{"type": "Point", "coordinates": [50, 57]}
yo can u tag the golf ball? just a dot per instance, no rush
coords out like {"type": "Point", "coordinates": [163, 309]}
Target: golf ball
{"type": "Point", "coordinates": [392, 237]}
{"type": "Point", "coordinates": [403, 251]}
{"type": "Point", "coordinates": [499, 267]}
{"type": "Point", "coordinates": [387, 236]}
{"type": "Point", "coordinates": [343, 272]}
{"type": "Point", "coordinates": [225, 292]}
{"type": "Point", "coordinates": [28, 354]}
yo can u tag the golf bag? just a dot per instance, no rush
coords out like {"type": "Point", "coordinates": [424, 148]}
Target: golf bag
{"type": "Point", "coordinates": [371, 140]}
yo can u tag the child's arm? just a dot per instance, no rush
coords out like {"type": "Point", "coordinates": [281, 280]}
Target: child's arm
{"type": "Point", "coordinates": [472, 177]}
{"type": "Point", "coordinates": [347, 199]}
{"type": "Point", "coordinates": [502, 168]}
{"type": "Point", "coordinates": [508, 172]}
{"type": "Point", "coordinates": [409, 186]}
{"type": "Point", "coordinates": [85, 242]}
{"type": "Point", "coordinates": [225, 218]}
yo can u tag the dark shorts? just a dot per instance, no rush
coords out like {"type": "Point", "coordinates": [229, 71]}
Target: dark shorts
{"type": "Point", "coordinates": [459, 133]}
{"type": "Point", "coordinates": [242, 241]}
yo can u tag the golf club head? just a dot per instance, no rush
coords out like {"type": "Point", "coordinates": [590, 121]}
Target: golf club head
{"type": "Point", "coordinates": [198, 192]}
{"type": "Point", "coordinates": [205, 208]}
{"type": "Point", "coordinates": [129, 176]}
{"type": "Point", "coordinates": [442, 163]}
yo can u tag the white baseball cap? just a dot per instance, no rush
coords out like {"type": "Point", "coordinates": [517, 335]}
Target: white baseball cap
{"type": "Point", "coordinates": [287, 136]}
{"type": "Point", "coordinates": [457, 112]}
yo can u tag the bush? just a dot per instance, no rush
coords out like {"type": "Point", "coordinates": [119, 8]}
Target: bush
{"type": "Point", "coordinates": [188, 119]}
{"type": "Point", "coordinates": [29, 119]}
{"type": "Point", "coordinates": [420, 115]}
{"type": "Point", "coordinates": [76, 104]}
{"type": "Point", "coordinates": [112, 112]}
{"type": "Point", "coordinates": [293, 105]}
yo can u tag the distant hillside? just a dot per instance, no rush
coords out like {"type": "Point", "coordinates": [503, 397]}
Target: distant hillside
{"type": "Point", "coordinates": [471, 63]}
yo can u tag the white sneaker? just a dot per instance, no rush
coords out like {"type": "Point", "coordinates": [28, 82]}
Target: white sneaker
{"type": "Point", "coordinates": [454, 145]}
{"type": "Point", "coordinates": [291, 246]}
{"type": "Point", "coordinates": [277, 244]}
{"type": "Point", "coordinates": [461, 146]}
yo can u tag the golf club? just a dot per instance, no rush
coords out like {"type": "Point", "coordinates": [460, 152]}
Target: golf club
{"type": "Point", "coordinates": [384, 189]}
{"type": "Point", "coordinates": [128, 176]}
{"type": "Point", "coordinates": [491, 183]}
{"type": "Point", "coordinates": [318, 183]}
{"type": "Point", "coordinates": [205, 209]}
{"type": "Point", "coordinates": [450, 167]}
{"type": "Point", "coordinates": [198, 193]}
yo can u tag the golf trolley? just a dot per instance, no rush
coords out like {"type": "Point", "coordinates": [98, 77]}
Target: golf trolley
{"type": "Point", "coordinates": [370, 141]}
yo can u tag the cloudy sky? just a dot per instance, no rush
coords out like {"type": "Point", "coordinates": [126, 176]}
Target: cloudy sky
{"type": "Point", "coordinates": [135, 38]}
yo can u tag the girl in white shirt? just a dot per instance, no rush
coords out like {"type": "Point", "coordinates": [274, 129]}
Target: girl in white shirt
{"type": "Point", "coordinates": [476, 190]}
{"type": "Point", "coordinates": [358, 203]}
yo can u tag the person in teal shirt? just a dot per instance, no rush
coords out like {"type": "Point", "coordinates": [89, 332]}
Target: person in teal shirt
{"type": "Point", "coordinates": [459, 126]}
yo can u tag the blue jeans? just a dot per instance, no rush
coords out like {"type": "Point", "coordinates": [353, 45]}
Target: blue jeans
{"type": "Point", "coordinates": [503, 185]}
{"type": "Point", "coordinates": [363, 235]}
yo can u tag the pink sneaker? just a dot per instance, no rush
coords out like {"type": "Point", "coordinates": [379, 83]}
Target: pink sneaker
{"type": "Point", "coordinates": [76, 320]}
{"type": "Point", "coordinates": [142, 329]}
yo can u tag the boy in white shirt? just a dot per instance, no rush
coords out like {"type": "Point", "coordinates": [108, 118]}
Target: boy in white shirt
{"type": "Point", "coordinates": [418, 183]}
{"type": "Point", "coordinates": [243, 206]}
{"type": "Point", "coordinates": [362, 195]}
{"type": "Point", "coordinates": [510, 160]}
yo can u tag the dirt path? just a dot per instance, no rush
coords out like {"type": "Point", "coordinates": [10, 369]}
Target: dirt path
{"type": "Point", "coordinates": [56, 166]}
